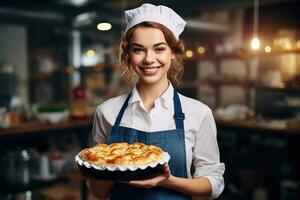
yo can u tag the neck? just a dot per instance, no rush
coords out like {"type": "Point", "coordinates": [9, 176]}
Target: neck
{"type": "Point", "coordinates": [149, 93]}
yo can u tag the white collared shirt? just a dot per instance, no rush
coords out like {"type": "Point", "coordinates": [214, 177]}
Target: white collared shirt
{"type": "Point", "coordinates": [201, 145]}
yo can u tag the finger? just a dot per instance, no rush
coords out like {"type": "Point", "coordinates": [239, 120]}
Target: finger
{"type": "Point", "coordinates": [166, 168]}
{"type": "Point", "coordinates": [137, 182]}
{"type": "Point", "coordinates": [144, 184]}
{"type": "Point", "coordinates": [141, 186]}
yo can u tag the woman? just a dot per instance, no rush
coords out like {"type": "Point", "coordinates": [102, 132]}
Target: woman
{"type": "Point", "coordinates": [184, 127]}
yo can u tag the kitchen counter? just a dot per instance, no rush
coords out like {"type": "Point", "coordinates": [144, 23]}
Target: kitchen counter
{"type": "Point", "coordinates": [36, 127]}
{"type": "Point", "coordinates": [287, 127]}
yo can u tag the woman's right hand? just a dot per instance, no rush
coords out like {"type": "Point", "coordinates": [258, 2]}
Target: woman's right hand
{"type": "Point", "coordinates": [100, 188]}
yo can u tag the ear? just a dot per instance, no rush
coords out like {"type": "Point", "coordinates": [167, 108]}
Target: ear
{"type": "Point", "coordinates": [173, 56]}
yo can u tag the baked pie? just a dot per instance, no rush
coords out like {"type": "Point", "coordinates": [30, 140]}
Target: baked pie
{"type": "Point", "coordinates": [122, 161]}
{"type": "Point", "coordinates": [122, 154]}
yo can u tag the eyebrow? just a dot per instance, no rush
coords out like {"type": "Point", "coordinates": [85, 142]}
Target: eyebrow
{"type": "Point", "coordinates": [158, 44]}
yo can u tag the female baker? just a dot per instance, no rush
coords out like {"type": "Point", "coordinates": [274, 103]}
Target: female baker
{"type": "Point", "coordinates": [154, 113]}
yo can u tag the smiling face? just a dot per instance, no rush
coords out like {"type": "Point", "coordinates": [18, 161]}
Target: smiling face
{"type": "Point", "coordinates": [150, 55]}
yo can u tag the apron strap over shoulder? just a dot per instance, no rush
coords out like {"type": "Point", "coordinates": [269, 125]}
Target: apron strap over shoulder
{"type": "Point", "coordinates": [179, 115]}
{"type": "Point", "coordinates": [120, 115]}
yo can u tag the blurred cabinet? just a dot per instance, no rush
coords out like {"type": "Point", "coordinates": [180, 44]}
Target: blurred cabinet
{"type": "Point", "coordinates": [230, 76]}
{"type": "Point", "coordinates": [49, 76]}
{"type": "Point", "coordinates": [56, 142]}
{"type": "Point", "coordinates": [278, 102]}
{"type": "Point", "coordinates": [102, 82]}
{"type": "Point", "coordinates": [274, 149]}
{"type": "Point", "coordinates": [8, 88]}
{"type": "Point", "coordinates": [243, 78]}
{"type": "Point", "coordinates": [190, 79]}
{"type": "Point", "coordinates": [212, 78]}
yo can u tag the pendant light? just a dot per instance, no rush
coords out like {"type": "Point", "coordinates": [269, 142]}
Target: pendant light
{"type": "Point", "coordinates": [255, 42]}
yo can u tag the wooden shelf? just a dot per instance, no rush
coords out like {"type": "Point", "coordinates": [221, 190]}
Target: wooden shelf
{"type": "Point", "coordinates": [39, 127]}
{"type": "Point", "coordinates": [99, 68]}
{"type": "Point", "coordinates": [258, 126]}
{"type": "Point", "coordinates": [293, 89]}
{"type": "Point", "coordinates": [227, 82]}
{"type": "Point", "coordinates": [277, 52]}
{"type": "Point", "coordinates": [247, 84]}
{"type": "Point", "coordinates": [242, 56]}
{"type": "Point", "coordinates": [219, 57]}
{"type": "Point", "coordinates": [40, 76]}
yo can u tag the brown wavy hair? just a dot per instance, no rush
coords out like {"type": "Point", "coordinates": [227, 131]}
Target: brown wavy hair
{"type": "Point", "coordinates": [176, 70]}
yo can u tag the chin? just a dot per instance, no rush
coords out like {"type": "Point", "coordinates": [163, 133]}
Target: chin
{"type": "Point", "coordinates": [151, 80]}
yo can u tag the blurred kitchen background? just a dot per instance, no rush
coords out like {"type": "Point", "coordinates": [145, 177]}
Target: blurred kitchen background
{"type": "Point", "coordinates": [58, 62]}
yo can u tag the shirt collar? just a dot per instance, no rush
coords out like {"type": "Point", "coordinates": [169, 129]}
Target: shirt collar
{"type": "Point", "coordinates": [166, 98]}
{"type": "Point", "coordinates": [135, 97]}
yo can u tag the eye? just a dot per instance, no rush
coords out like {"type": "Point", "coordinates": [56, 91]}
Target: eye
{"type": "Point", "coordinates": [137, 50]}
{"type": "Point", "coordinates": [160, 49]}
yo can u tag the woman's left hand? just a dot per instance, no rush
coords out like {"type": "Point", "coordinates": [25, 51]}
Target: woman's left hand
{"type": "Point", "coordinates": [153, 182]}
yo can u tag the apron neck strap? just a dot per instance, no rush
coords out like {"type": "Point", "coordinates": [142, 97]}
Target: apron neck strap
{"type": "Point", "coordinates": [120, 115]}
{"type": "Point", "coordinates": [178, 116]}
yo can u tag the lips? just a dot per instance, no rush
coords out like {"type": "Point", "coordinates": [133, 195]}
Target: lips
{"type": "Point", "coordinates": [150, 71]}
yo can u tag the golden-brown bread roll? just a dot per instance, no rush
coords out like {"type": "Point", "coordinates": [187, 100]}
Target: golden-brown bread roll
{"type": "Point", "coordinates": [119, 151]}
{"type": "Point", "coordinates": [141, 160]}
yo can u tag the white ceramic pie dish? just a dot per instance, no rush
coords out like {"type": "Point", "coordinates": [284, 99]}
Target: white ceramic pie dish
{"type": "Point", "coordinates": [123, 172]}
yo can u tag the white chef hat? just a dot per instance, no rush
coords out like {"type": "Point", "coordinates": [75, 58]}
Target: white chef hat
{"type": "Point", "coordinates": [159, 14]}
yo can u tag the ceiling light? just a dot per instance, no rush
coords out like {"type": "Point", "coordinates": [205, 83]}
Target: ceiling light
{"type": "Point", "coordinates": [104, 26]}
{"type": "Point", "coordinates": [78, 2]}
{"type": "Point", "coordinates": [255, 43]}
{"type": "Point", "coordinates": [90, 53]}
{"type": "Point", "coordinates": [84, 19]}
{"type": "Point", "coordinates": [201, 50]}
{"type": "Point", "coordinates": [268, 49]}
{"type": "Point", "coordinates": [189, 53]}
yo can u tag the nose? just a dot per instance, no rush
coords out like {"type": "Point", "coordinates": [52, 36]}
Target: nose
{"type": "Point", "coordinates": [149, 57]}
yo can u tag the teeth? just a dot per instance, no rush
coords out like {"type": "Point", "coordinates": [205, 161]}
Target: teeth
{"type": "Point", "coordinates": [150, 69]}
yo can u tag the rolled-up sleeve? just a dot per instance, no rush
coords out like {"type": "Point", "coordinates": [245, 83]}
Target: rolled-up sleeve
{"type": "Point", "coordinates": [101, 127]}
{"type": "Point", "coordinates": [206, 158]}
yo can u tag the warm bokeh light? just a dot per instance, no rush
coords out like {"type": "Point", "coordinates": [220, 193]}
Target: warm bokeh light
{"type": "Point", "coordinates": [298, 44]}
{"type": "Point", "coordinates": [255, 43]}
{"type": "Point", "coordinates": [189, 53]}
{"type": "Point", "coordinates": [104, 26]}
{"type": "Point", "coordinates": [90, 53]}
{"type": "Point", "coordinates": [268, 49]}
{"type": "Point", "coordinates": [201, 50]}
{"type": "Point", "coordinates": [283, 43]}
{"type": "Point", "coordinates": [69, 69]}
{"type": "Point", "coordinates": [281, 85]}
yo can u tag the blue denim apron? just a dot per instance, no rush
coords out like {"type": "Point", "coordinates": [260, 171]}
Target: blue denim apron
{"type": "Point", "coordinates": [171, 141]}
